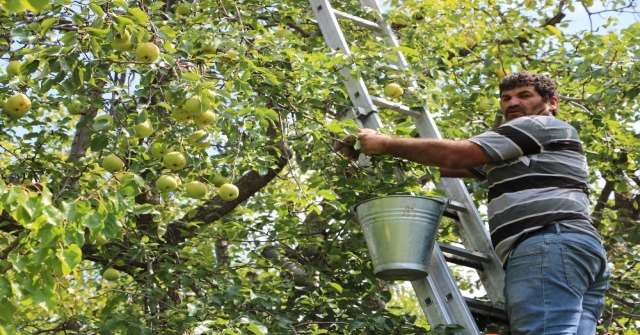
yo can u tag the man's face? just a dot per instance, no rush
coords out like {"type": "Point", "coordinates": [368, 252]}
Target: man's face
{"type": "Point", "coordinates": [525, 101]}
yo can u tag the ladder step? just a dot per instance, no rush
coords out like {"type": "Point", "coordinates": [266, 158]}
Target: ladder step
{"type": "Point", "coordinates": [457, 206]}
{"type": "Point", "coordinates": [358, 21]}
{"type": "Point", "coordinates": [464, 253]}
{"type": "Point", "coordinates": [402, 109]}
{"type": "Point", "coordinates": [487, 312]}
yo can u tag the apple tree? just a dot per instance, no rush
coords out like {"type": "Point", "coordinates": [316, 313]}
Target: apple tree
{"type": "Point", "coordinates": [167, 167]}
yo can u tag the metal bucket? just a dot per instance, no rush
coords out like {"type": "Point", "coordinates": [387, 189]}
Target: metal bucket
{"type": "Point", "coordinates": [400, 231]}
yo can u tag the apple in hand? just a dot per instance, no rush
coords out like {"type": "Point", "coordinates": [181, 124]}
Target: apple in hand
{"type": "Point", "coordinates": [228, 192]}
{"type": "Point", "coordinates": [174, 160]}
{"type": "Point", "coordinates": [393, 90]}
{"type": "Point", "coordinates": [112, 163]}
{"type": "Point", "coordinates": [196, 189]}
{"type": "Point", "coordinates": [147, 52]}
{"type": "Point", "coordinates": [166, 183]}
{"type": "Point", "coordinates": [17, 106]}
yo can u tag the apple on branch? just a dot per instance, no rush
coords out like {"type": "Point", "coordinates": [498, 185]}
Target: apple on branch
{"type": "Point", "coordinates": [17, 106]}
{"type": "Point", "coordinates": [147, 52]}
{"type": "Point", "coordinates": [13, 67]}
{"type": "Point", "coordinates": [166, 183]}
{"type": "Point", "coordinates": [111, 274]}
{"type": "Point", "coordinates": [174, 160]}
{"type": "Point", "coordinates": [122, 42]}
{"type": "Point", "coordinates": [200, 139]}
{"type": "Point", "coordinates": [196, 189]}
{"type": "Point", "coordinates": [393, 90]}
{"type": "Point", "coordinates": [204, 119]}
{"type": "Point", "coordinates": [228, 192]}
{"type": "Point", "coordinates": [75, 107]}
{"type": "Point", "coordinates": [143, 129]}
{"type": "Point", "coordinates": [112, 163]}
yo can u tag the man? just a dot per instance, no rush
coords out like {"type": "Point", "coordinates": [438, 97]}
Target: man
{"type": "Point", "coordinates": [556, 267]}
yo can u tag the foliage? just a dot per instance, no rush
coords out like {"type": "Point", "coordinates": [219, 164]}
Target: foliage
{"type": "Point", "coordinates": [261, 263]}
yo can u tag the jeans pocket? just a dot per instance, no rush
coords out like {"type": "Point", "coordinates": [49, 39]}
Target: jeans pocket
{"type": "Point", "coordinates": [580, 267]}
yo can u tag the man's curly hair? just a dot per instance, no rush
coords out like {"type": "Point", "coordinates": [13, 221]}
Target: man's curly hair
{"type": "Point", "coordinates": [543, 84]}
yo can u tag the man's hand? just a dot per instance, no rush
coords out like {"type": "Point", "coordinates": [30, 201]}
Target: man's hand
{"type": "Point", "coordinates": [372, 143]}
{"type": "Point", "coordinates": [346, 147]}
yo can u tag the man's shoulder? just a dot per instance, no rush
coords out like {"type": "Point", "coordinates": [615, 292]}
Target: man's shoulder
{"type": "Point", "coordinates": [538, 120]}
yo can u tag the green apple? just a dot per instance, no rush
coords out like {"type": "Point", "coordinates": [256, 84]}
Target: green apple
{"type": "Point", "coordinates": [205, 118]}
{"type": "Point", "coordinates": [393, 90]}
{"type": "Point", "coordinates": [158, 150]}
{"type": "Point", "coordinates": [147, 52]}
{"type": "Point", "coordinates": [143, 129]}
{"type": "Point", "coordinates": [336, 261]}
{"type": "Point", "coordinates": [209, 49]}
{"type": "Point", "coordinates": [17, 106]}
{"type": "Point", "coordinates": [501, 73]}
{"type": "Point", "coordinates": [122, 42]}
{"type": "Point", "coordinates": [166, 183]}
{"type": "Point", "coordinates": [196, 189]}
{"type": "Point", "coordinates": [174, 160]}
{"type": "Point", "coordinates": [75, 107]}
{"type": "Point", "coordinates": [484, 105]}
{"type": "Point", "coordinates": [587, 3]}
{"type": "Point", "coordinates": [231, 53]}
{"type": "Point", "coordinates": [200, 139]}
{"type": "Point", "coordinates": [228, 192]}
{"type": "Point", "coordinates": [111, 274]}
{"type": "Point", "coordinates": [283, 32]}
{"type": "Point", "coordinates": [469, 41]}
{"type": "Point", "coordinates": [181, 115]}
{"type": "Point", "coordinates": [195, 105]}
{"type": "Point", "coordinates": [219, 180]}
{"type": "Point", "coordinates": [103, 123]}
{"type": "Point", "coordinates": [13, 67]}
{"type": "Point", "coordinates": [183, 10]}
{"type": "Point", "coordinates": [100, 240]}
{"type": "Point", "coordinates": [112, 163]}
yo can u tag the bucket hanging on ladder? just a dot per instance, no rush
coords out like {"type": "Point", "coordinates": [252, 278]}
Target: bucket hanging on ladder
{"type": "Point", "coordinates": [400, 231]}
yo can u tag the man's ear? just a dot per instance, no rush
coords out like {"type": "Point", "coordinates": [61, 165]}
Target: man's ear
{"type": "Point", "coordinates": [553, 104]}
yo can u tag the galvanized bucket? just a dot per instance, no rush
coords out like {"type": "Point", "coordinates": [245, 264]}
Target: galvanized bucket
{"type": "Point", "coordinates": [400, 231]}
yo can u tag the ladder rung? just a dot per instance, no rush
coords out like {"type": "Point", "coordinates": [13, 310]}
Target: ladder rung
{"type": "Point", "coordinates": [462, 261]}
{"type": "Point", "coordinates": [464, 253]}
{"type": "Point", "coordinates": [358, 21]}
{"type": "Point", "coordinates": [402, 109]}
{"type": "Point", "coordinates": [489, 313]}
{"type": "Point", "coordinates": [457, 206]}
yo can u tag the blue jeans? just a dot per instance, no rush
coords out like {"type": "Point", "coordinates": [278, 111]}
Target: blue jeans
{"type": "Point", "coordinates": [555, 284]}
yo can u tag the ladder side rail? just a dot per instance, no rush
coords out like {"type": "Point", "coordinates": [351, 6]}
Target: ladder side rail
{"type": "Point", "coordinates": [441, 299]}
{"type": "Point", "coordinates": [334, 38]}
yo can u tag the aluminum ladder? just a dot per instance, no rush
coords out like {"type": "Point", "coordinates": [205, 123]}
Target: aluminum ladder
{"type": "Point", "coordinates": [439, 295]}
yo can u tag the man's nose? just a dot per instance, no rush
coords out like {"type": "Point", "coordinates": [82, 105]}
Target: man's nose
{"type": "Point", "coordinates": [512, 102]}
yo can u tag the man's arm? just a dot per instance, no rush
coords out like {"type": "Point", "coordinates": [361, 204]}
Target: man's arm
{"type": "Point", "coordinates": [456, 173]}
{"type": "Point", "coordinates": [448, 154]}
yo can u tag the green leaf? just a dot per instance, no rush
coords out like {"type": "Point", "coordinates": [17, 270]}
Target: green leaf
{"type": "Point", "coordinates": [70, 257]}
{"type": "Point", "coordinates": [96, 9]}
{"type": "Point", "coordinates": [99, 142]}
{"type": "Point", "coordinates": [167, 33]}
{"type": "Point", "coordinates": [96, 32]}
{"type": "Point", "coordinates": [7, 310]}
{"type": "Point", "coordinates": [35, 5]}
{"type": "Point", "coordinates": [139, 16]}
{"type": "Point", "coordinates": [258, 330]}
{"type": "Point", "coordinates": [320, 331]}
{"type": "Point", "coordinates": [554, 30]}
{"type": "Point", "coordinates": [336, 286]}
{"type": "Point", "coordinates": [47, 23]}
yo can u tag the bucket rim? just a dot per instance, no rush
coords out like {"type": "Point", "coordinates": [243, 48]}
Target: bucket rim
{"type": "Point", "coordinates": [443, 200]}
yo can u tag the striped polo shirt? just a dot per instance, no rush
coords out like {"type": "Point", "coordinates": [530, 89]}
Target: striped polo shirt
{"type": "Point", "coordinates": [538, 176]}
